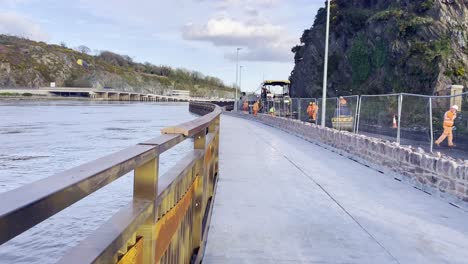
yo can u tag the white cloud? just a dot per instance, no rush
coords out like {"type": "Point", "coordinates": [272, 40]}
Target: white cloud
{"type": "Point", "coordinates": [233, 3]}
{"type": "Point", "coordinates": [261, 41]}
{"type": "Point", "coordinates": [14, 24]}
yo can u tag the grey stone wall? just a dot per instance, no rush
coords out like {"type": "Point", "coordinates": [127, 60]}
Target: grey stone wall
{"type": "Point", "coordinates": [435, 175]}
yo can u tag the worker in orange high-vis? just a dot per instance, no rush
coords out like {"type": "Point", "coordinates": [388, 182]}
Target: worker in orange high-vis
{"type": "Point", "coordinates": [256, 107]}
{"type": "Point", "coordinates": [312, 111]}
{"type": "Point", "coordinates": [449, 120]}
{"type": "Point", "coordinates": [245, 106]}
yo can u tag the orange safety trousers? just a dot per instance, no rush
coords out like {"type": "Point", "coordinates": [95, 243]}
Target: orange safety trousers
{"type": "Point", "coordinates": [448, 133]}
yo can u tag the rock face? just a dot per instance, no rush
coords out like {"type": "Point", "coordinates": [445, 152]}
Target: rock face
{"type": "Point", "coordinates": [26, 63]}
{"type": "Point", "coordinates": [385, 46]}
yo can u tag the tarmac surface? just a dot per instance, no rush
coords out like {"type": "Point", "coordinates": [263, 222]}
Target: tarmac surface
{"type": "Point", "coordinates": [281, 199]}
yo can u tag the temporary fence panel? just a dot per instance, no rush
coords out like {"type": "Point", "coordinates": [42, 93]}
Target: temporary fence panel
{"type": "Point", "coordinates": [287, 104]}
{"type": "Point", "coordinates": [378, 116]}
{"type": "Point", "coordinates": [442, 104]}
{"type": "Point", "coordinates": [415, 121]}
{"type": "Point", "coordinates": [295, 108]}
{"type": "Point", "coordinates": [277, 105]}
{"type": "Point", "coordinates": [346, 114]}
{"type": "Point", "coordinates": [299, 109]}
{"type": "Point", "coordinates": [267, 104]}
{"type": "Point", "coordinates": [332, 110]}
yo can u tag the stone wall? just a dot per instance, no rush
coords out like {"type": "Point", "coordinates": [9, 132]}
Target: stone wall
{"type": "Point", "coordinates": [201, 108]}
{"type": "Point", "coordinates": [435, 175]}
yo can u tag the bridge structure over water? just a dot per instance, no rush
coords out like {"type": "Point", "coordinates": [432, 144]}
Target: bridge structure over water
{"type": "Point", "coordinates": [101, 94]}
{"type": "Point", "coordinates": [262, 190]}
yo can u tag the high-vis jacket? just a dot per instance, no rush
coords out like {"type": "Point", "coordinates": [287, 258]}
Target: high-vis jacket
{"type": "Point", "coordinates": [312, 111]}
{"type": "Point", "coordinates": [256, 107]}
{"type": "Point", "coordinates": [449, 119]}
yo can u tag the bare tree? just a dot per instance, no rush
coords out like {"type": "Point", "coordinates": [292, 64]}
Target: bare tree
{"type": "Point", "coordinates": [63, 44]}
{"type": "Point", "coordinates": [83, 49]}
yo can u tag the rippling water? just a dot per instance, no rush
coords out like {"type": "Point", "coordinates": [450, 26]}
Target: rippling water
{"type": "Point", "coordinates": [38, 139]}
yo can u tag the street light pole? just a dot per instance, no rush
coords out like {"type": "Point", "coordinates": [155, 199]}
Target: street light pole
{"type": "Point", "coordinates": [240, 78]}
{"type": "Point", "coordinates": [325, 69]}
{"type": "Point", "coordinates": [237, 76]}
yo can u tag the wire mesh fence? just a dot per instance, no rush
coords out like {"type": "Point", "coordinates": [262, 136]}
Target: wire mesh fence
{"type": "Point", "coordinates": [415, 121]}
{"type": "Point", "coordinates": [331, 108]}
{"type": "Point", "coordinates": [408, 119]}
{"type": "Point", "coordinates": [299, 108]}
{"type": "Point", "coordinates": [345, 117]}
{"type": "Point", "coordinates": [440, 106]}
{"type": "Point", "coordinates": [378, 116]}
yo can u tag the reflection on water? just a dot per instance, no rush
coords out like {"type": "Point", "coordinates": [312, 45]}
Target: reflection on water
{"type": "Point", "coordinates": [38, 139]}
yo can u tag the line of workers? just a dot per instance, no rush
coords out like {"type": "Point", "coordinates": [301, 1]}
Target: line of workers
{"type": "Point", "coordinates": [312, 109]}
{"type": "Point", "coordinates": [256, 108]}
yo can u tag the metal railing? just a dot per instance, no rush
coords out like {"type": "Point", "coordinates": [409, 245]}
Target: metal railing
{"type": "Point", "coordinates": [167, 220]}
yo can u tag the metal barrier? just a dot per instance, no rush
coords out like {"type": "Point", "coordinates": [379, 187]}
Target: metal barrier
{"type": "Point", "coordinates": [439, 106]}
{"type": "Point", "coordinates": [415, 120]}
{"type": "Point", "coordinates": [408, 119]}
{"type": "Point", "coordinates": [167, 220]}
{"type": "Point", "coordinates": [299, 108]}
{"type": "Point", "coordinates": [378, 116]}
{"type": "Point", "coordinates": [332, 105]}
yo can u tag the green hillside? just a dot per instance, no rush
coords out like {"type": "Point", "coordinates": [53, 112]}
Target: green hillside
{"type": "Point", "coordinates": [26, 63]}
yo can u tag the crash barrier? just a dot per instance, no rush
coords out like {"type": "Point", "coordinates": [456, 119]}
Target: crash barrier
{"type": "Point", "coordinates": [437, 175]}
{"type": "Point", "coordinates": [408, 119]}
{"type": "Point", "coordinates": [167, 220]}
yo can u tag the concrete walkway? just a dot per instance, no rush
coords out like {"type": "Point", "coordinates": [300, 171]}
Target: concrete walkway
{"type": "Point", "coordinates": [281, 199]}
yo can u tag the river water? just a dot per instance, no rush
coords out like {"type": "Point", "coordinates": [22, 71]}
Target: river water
{"type": "Point", "coordinates": [38, 139]}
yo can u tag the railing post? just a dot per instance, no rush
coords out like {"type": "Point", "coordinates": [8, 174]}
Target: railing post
{"type": "Point", "coordinates": [358, 115]}
{"type": "Point", "coordinates": [431, 125]}
{"type": "Point", "coordinates": [146, 188]}
{"type": "Point", "coordinates": [218, 123]}
{"type": "Point", "coordinates": [338, 103]}
{"type": "Point", "coordinates": [400, 104]}
{"type": "Point", "coordinates": [299, 109]}
{"type": "Point", "coordinates": [199, 144]}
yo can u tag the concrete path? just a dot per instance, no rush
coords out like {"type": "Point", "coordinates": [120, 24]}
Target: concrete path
{"type": "Point", "coordinates": [281, 199]}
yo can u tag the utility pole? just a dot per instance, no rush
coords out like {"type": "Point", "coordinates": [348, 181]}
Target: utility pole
{"type": "Point", "coordinates": [325, 70]}
{"type": "Point", "coordinates": [240, 78]}
{"type": "Point", "coordinates": [237, 76]}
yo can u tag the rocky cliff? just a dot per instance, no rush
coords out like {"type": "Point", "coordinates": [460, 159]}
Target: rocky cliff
{"type": "Point", "coordinates": [26, 63]}
{"type": "Point", "coordinates": [384, 46]}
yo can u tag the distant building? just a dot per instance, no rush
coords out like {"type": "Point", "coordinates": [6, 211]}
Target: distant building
{"type": "Point", "coordinates": [180, 93]}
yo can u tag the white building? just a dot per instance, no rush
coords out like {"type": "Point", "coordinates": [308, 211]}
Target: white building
{"type": "Point", "coordinates": [181, 93]}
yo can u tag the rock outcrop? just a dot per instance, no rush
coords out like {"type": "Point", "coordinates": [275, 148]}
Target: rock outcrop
{"type": "Point", "coordinates": [385, 46]}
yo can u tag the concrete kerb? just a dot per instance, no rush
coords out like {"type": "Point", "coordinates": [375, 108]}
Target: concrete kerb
{"type": "Point", "coordinates": [438, 176]}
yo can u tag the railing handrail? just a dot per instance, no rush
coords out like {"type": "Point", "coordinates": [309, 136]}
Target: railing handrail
{"type": "Point", "coordinates": [29, 205]}
{"type": "Point", "coordinates": [191, 128]}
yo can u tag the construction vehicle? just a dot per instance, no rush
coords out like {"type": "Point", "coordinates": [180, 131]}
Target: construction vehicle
{"type": "Point", "coordinates": [276, 94]}
{"type": "Point", "coordinates": [343, 118]}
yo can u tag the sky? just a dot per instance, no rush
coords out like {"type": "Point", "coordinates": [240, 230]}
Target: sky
{"type": "Point", "coordinates": [201, 35]}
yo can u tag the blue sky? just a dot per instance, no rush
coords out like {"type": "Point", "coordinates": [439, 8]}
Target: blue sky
{"type": "Point", "coordinates": [198, 35]}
